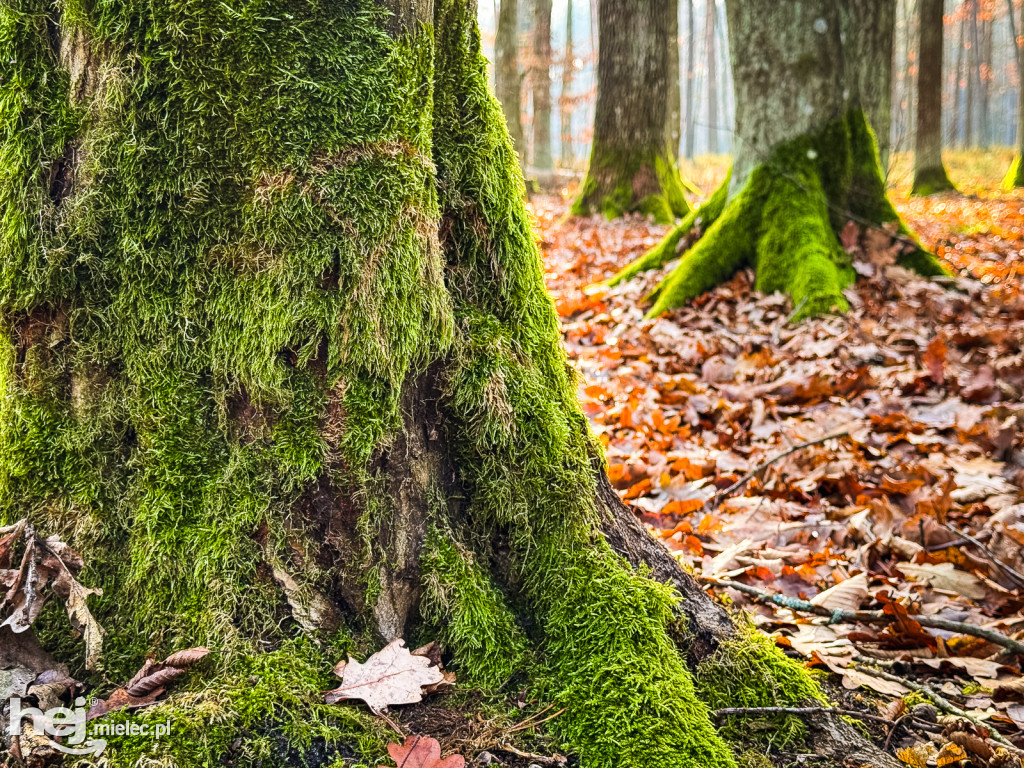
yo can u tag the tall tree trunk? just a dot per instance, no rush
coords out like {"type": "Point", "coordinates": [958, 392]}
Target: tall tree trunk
{"type": "Point", "coordinates": [971, 94]}
{"type": "Point", "coordinates": [673, 117]}
{"type": "Point", "coordinates": [960, 88]}
{"type": "Point", "coordinates": [565, 101]}
{"type": "Point", "coordinates": [691, 77]}
{"type": "Point", "coordinates": [632, 168]}
{"type": "Point", "coordinates": [807, 163]}
{"type": "Point", "coordinates": [929, 172]}
{"type": "Point", "coordinates": [540, 81]}
{"type": "Point", "coordinates": [985, 81]}
{"type": "Point", "coordinates": [872, 25]}
{"type": "Point", "coordinates": [508, 82]}
{"type": "Point", "coordinates": [1015, 176]}
{"type": "Point", "coordinates": [281, 365]}
{"type": "Point", "coordinates": [712, 75]}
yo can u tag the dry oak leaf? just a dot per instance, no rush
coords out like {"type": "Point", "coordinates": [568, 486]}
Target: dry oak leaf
{"type": "Point", "coordinates": [945, 576]}
{"type": "Point", "coordinates": [422, 752]}
{"type": "Point", "coordinates": [393, 675]}
{"type": "Point", "coordinates": [844, 596]}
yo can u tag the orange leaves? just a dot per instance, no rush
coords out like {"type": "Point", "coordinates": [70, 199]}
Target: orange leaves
{"type": "Point", "coordinates": [422, 752]}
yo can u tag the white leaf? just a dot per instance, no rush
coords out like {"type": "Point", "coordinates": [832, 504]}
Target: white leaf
{"type": "Point", "coordinates": [391, 676]}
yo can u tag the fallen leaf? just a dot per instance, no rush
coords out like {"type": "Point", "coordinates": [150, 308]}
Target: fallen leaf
{"type": "Point", "coordinates": [422, 752]}
{"type": "Point", "coordinates": [846, 596]}
{"type": "Point", "coordinates": [946, 576]}
{"type": "Point", "coordinates": [393, 675]}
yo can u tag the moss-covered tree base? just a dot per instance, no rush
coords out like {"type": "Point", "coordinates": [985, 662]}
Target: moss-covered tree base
{"type": "Point", "coordinates": [784, 223]}
{"type": "Point", "coordinates": [930, 181]}
{"type": "Point", "coordinates": [632, 181]}
{"type": "Point", "coordinates": [281, 366]}
{"type": "Point", "coordinates": [1014, 177]}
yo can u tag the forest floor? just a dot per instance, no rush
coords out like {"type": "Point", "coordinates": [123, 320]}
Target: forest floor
{"type": "Point", "coordinates": [897, 427]}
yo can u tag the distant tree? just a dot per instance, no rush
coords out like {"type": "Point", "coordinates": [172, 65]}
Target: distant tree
{"type": "Point", "coordinates": [565, 100]}
{"type": "Point", "coordinates": [690, 81]}
{"type": "Point", "coordinates": [540, 83]}
{"type": "Point", "coordinates": [1015, 176]}
{"type": "Point", "coordinates": [632, 167]}
{"type": "Point", "coordinates": [508, 82]}
{"type": "Point", "coordinates": [929, 172]}
{"type": "Point", "coordinates": [711, 72]}
{"type": "Point", "coordinates": [807, 162]}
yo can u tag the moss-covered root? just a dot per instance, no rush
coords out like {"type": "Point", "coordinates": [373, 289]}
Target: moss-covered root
{"type": "Point", "coordinates": [750, 671]}
{"type": "Point", "coordinates": [929, 181]}
{"type": "Point", "coordinates": [1015, 176]}
{"type": "Point", "coordinates": [698, 219]}
{"type": "Point", "coordinates": [643, 181]}
{"type": "Point", "coordinates": [779, 224]}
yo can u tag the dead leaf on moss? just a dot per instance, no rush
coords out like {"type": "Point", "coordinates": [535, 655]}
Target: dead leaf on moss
{"type": "Point", "coordinates": [393, 675]}
{"type": "Point", "coordinates": [422, 752]}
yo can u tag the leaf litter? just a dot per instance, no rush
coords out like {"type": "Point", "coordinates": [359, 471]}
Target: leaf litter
{"type": "Point", "coordinates": [871, 462]}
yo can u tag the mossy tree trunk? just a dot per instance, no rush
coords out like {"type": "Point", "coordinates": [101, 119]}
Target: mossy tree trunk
{"type": "Point", "coordinates": [807, 163]}
{"type": "Point", "coordinates": [632, 167]}
{"type": "Point", "coordinates": [282, 367]}
{"type": "Point", "coordinates": [871, 29]}
{"type": "Point", "coordinates": [929, 172]}
{"type": "Point", "coordinates": [540, 81]}
{"type": "Point", "coordinates": [1015, 176]}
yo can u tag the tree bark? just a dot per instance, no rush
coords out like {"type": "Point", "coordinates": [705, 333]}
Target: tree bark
{"type": "Point", "coordinates": [929, 172]}
{"type": "Point", "coordinates": [540, 81]}
{"type": "Point", "coordinates": [870, 28]}
{"type": "Point", "coordinates": [691, 75]}
{"type": "Point", "coordinates": [673, 117]}
{"type": "Point", "coordinates": [282, 366]}
{"type": "Point", "coordinates": [807, 164]}
{"type": "Point", "coordinates": [566, 100]}
{"type": "Point", "coordinates": [508, 81]}
{"type": "Point", "coordinates": [1015, 176]}
{"type": "Point", "coordinates": [632, 168]}
{"type": "Point", "coordinates": [712, 75]}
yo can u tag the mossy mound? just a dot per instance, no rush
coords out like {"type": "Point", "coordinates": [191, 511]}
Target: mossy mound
{"type": "Point", "coordinates": [1015, 175]}
{"type": "Point", "coordinates": [636, 181]}
{"type": "Point", "coordinates": [930, 181]}
{"type": "Point", "coordinates": [784, 223]}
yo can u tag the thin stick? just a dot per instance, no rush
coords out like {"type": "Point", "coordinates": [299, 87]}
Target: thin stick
{"type": "Point", "coordinates": [730, 711]}
{"type": "Point", "coordinates": [870, 617]}
{"type": "Point", "coordinates": [763, 466]}
{"type": "Point", "coordinates": [543, 759]}
{"type": "Point", "coordinates": [864, 664]}
{"type": "Point", "coordinates": [1015, 575]}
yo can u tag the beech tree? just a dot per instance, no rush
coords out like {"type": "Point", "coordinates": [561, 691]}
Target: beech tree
{"type": "Point", "coordinates": [929, 172]}
{"type": "Point", "coordinates": [1015, 176]}
{"type": "Point", "coordinates": [540, 80]}
{"type": "Point", "coordinates": [807, 162]}
{"type": "Point", "coordinates": [508, 82]}
{"type": "Point", "coordinates": [281, 366]}
{"type": "Point", "coordinates": [632, 167]}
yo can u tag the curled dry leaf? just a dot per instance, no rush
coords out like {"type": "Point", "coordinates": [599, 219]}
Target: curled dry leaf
{"type": "Point", "coordinates": [47, 567]}
{"type": "Point", "coordinates": [393, 675]}
{"type": "Point", "coordinates": [946, 576]}
{"type": "Point", "coordinates": [422, 752]}
{"type": "Point", "coordinates": [845, 596]}
{"type": "Point", "coordinates": [149, 683]}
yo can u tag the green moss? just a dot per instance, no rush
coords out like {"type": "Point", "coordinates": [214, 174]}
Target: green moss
{"type": "Point", "coordinates": [784, 224]}
{"type": "Point", "coordinates": [267, 710]}
{"type": "Point", "coordinates": [930, 181]}
{"type": "Point", "coordinates": [751, 672]}
{"type": "Point", "coordinates": [621, 181]}
{"type": "Point", "coordinates": [1015, 175]}
{"type": "Point", "coordinates": [668, 249]}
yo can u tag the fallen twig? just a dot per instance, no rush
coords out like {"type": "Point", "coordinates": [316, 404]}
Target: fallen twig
{"type": "Point", "coordinates": [870, 617]}
{"type": "Point", "coordinates": [866, 665]}
{"type": "Point", "coordinates": [1014, 574]}
{"type": "Point", "coordinates": [721, 495]}
{"type": "Point", "coordinates": [744, 711]}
